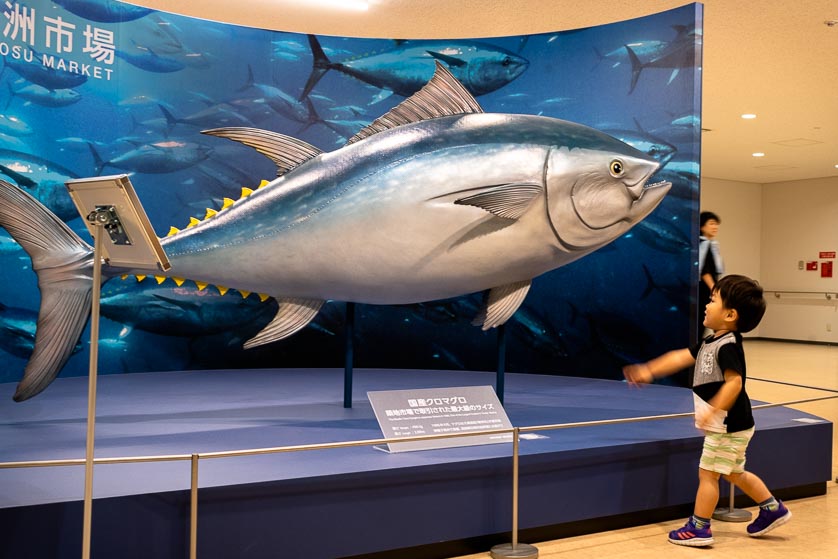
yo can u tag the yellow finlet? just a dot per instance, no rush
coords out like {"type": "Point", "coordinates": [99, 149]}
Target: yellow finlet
{"type": "Point", "coordinates": [263, 297]}
{"type": "Point", "coordinates": [201, 285]}
{"type": "Point", "coordinates": [245, 294]}
{"type": "Point", "coordinates": [227, 203]}
{"type": "Point", "coordinates": [141, 277]}
{"type": "Point", "coordinates": [210, 212]}
{"type": "Point", "coordinates": [246, 192]}
{"type": "Point", "coordinates": [179, 281]}
{"type": "Point", "coordinates": [123, 277]}
{"type": "Point", "coordinates": [173, 231]}
{"type": "Point", "coordinates": [263, 184]}
{"type": "Point", "coordinates": [193, 221]}
{"type": "Point", "coordinates": [222, 290]}
{"type": "Point", "coordinates": [160, 279]}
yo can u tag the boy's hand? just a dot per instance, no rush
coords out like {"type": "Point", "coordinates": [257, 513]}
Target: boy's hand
{"type": "Point", "coordinates": [638, 374]}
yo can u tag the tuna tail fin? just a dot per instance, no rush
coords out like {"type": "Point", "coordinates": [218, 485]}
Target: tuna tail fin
{"type": "Point", "coordinates": [320, 65]}
{"type": "Point", "coordinates": [636, 68]}
{"type": "Point", "coordinates": [98, 163]}
{"type": "Point", "coordinates": [64, 266]}
{"type": "Point", "coordinates": [650, 283]}
{"type": "Point", "coordinates": [312, 118]}
{"type": "Point", "coordinates": [171, 121]}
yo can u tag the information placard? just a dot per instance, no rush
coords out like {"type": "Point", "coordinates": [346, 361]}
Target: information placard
{"type": "Point", "coordinates": [438, 411]}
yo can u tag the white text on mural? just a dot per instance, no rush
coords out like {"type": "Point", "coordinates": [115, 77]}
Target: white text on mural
{"type": "Point", "coordinates": [60, 37]}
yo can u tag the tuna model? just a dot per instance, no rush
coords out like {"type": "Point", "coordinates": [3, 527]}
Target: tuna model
{"type": "Point", "coordinates": [433, 200]}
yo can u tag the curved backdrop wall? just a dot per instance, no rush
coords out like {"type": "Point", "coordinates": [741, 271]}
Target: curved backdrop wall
{"type": "Point", "coordinates": [98, 87]}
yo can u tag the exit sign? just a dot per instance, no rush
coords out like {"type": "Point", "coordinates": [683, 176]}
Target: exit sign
{"type": "Point", "coordinates": [827, 254]}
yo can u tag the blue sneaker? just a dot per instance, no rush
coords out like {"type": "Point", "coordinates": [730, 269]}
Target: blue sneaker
{"type": "Point", "coordinates": [691, 536]}
{"type": "Point", "coordinates": [768, 520]}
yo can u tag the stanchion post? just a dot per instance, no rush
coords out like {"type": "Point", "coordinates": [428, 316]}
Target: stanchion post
{"type": "Point", "coordinates": [87, 521]}
{"type": "Point", "coordinates": [514, 549]}
{"type": "Point", "coordinates": [731, 514]}
{"type": "Point", "coordinates": [133, 245]}
{"type": "Point", "coordinates": [193, 510]}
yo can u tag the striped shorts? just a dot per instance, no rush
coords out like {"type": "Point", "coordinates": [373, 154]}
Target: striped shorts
{"type": "Point", "coordinates": [724, 453]}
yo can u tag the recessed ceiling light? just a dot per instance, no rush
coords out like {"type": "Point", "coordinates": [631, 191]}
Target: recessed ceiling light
{"type": "Point", "coordinates": [749, 116]}
{"type": "Point", "coordinates": [758, 154]}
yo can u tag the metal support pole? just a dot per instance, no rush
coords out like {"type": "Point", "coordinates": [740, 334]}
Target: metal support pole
{"type": "Point", "coordinates": [515, 549]}
{"type": "Point", "coordinates": [91, 392]}
{"type": "Point", "coordinates": [501, 369]}
{"type": "Point", "coordinates": [731, 514]}
{"type": "Point", "coordinates": [193, 510]}
{"type": "Point", "coordinates": [349, 355]}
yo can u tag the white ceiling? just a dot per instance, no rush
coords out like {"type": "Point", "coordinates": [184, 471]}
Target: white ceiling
{"type": "Point", "coordinates": [775, 58]}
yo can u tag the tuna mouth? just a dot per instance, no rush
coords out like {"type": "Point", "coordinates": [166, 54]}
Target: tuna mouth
{"type": "Point", "coordinates": [654, 196]}
{"type": "Point", "coordinates": [638, 189]}
{"type": "Point", "coordinates": [660, 185]}
{"type": "Point", "coordinates": [657, 185]}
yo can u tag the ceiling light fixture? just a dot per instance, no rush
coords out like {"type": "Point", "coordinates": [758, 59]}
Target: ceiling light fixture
{"type": "Point", "coordinates": [749, 116]}
{"type": "Point", "coordinates": [758, 154]}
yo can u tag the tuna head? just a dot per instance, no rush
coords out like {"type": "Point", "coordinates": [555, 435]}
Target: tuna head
{"type": "Point", "coordinates": [489, 70]}
{"type": "Point", "coordinates": [598, 191]}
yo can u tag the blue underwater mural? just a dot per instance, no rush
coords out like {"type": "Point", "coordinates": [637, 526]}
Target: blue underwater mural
{"type": "Point", "coordinates": [97, 87]}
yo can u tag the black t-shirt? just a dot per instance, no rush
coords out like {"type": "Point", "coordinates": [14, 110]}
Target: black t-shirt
{"type": "Point", "coordinates": [714, 356]}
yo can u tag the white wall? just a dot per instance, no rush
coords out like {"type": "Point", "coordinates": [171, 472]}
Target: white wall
{"type": "Point", "coordinates": [739, 205]}
{"type": "Point", "coordinates": [766, 231]}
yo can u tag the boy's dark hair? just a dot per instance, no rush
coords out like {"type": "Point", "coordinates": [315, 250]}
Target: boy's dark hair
{"type": "Point", "coordinates": [704, 217]}
{"type": "Point", "coordinates": [743, 295]}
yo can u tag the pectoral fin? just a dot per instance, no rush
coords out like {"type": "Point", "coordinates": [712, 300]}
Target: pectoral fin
{"type": "Point", "coordinates": [673, 75]}
{"type": "Point", "coordinates": [509, 201]}
{"type": "Point", "coordinates": [293, 315]}
{"type": "Point", "coordinates": [501, 304]}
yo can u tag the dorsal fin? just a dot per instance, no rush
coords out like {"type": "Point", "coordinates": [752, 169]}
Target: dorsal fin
{"type": "Point", "coordinates": [443, 95]}
{"type": "Point", "coordinates": [285, 151]}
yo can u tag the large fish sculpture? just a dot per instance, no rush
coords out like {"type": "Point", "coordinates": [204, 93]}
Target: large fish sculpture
{"type": "Point", "coordinates": [433, 200]}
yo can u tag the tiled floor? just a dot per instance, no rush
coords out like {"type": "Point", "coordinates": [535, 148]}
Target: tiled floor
{"type": "Point", "coordinates": [813, 531]}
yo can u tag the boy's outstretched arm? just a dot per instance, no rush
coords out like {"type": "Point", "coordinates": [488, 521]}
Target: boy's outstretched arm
{"type": "Point", "coordinates": [667, 364]}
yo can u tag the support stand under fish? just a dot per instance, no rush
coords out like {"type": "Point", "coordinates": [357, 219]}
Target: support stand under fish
{"type": "Point", "coordinates": [349, 353]}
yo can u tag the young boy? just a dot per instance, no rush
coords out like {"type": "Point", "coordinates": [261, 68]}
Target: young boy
{"type": "Point", "coordinates": [722, 407]}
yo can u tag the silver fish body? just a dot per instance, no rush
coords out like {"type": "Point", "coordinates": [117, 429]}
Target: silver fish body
{"type": "Point", "coordinates": [382, 220]}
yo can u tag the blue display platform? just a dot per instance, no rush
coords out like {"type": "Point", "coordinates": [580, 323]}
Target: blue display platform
{"type": "Point", "coordinates": [356, 501]}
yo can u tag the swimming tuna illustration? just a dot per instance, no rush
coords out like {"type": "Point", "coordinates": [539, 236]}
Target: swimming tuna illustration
{"type": "Point", "coordinates": [480, 67]}
{"type": "Point", "coordinates": [433, 200]}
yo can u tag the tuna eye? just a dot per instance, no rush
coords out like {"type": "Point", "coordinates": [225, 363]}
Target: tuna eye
{"type": "Point", "coordinates": [617, 168]}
